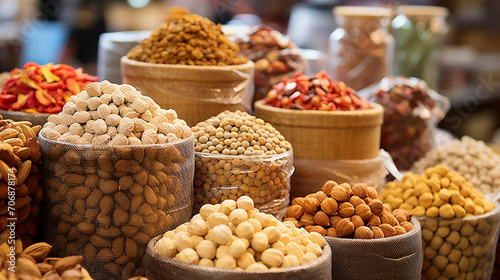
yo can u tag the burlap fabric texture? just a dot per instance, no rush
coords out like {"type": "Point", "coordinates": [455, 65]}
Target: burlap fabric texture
{"type": "Point", "coordinates": [161, 268]}
{"type": "Point", "coordinates": [107, 202]}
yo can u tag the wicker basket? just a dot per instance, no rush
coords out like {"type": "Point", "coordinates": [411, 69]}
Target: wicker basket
{"type": "Point", "coordinates": [196, 93]}
{"type": "Point", "coordinates": [326, 134]}
{"type": "Point", "coordinates": [34, 118]}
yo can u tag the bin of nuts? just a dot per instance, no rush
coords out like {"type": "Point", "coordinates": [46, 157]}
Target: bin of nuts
{"type": "Point", "coordinates": [190, 65]}
{"type": "Point", "coordinates": [20, 190]}
{"type": "Point", "coordinates": [411, 112]}
{"type": "Point", "coordinates": [117, 172]}
{"type": "Point", "coordinates": [238, 154]}
{"type": "Point", "coordinates": [459, 225]}
{"type": "Point", "coordinates": [366, 236]}
{"type": "Point", "coordinates": [474, 160]}
{"type": "Point", "coordinates": [274, 54]}
{"type": "Point", "coordinates": [233, 240]}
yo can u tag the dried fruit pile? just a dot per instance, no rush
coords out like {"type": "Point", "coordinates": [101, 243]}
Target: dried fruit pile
{"type": "Point", "coordinates": [33, 264]}
{"type": "Point", "coordinates": [234, 235]}
{"type": "Point", "coordinates": [20, 158]}
{"type": "Point", "coordinates": [318, 92]}
{"type": "Point", "coordinates": [42, 89]}
{"type": "Point", "coordinates": [239, 154]}
{"type": "Point", "coordinates": [274, 55]}
{"type": "Point", "coordinates": [188, 40]}
{"type": "Point", "coordinates": [456, 245]}
{"type": "Point", "coordinates": [474, 160]}
{"type": "Point", "coordinates": [345, 211]}
{"type": "Point", "coordinates": [106, 113]}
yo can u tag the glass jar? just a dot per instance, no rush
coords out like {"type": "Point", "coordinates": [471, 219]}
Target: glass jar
{"type": "Point", "coordinates": [419, 31]}
{"type": "Point", "coordinates": [361, 48]}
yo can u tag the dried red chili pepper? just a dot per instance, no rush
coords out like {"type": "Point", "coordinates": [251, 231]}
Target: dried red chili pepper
{"type": "Point", "coordinates": [44, 88]}
{"type": "Point", "coordinates": [318, 92]}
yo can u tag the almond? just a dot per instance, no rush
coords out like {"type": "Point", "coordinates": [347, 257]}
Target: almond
{"type": "Point", "coordinates": [331, 232]}
{"type": "Point", "coordinates": [327, 187]}
{"type": "Point", "coordinates": [320, 196]}
{"type": "Point", "coordinates": [322, 219]}
{"type": "Point", "coordinates": [356, 200]}
{"type": "Point", "coordinates": [377, 232]}
{"type": "Point", "coordinates": [294, 211]}
{"type": "Point", "coordinates": [340, 194]}
{"type": "Point", "coordinates": [360, 190]}
{"type": "Point", "coordinates": [388, 218]}
{"type": "Point", "coordinates": [307, 220]}
{"type": "Point", "coordinates": [319, 229]}
{"type": "Point", "coordinates": [363, 233]}
{"type": "Point", "coordinates": [298, 201]}
{"type": "Point", "coordinates": [357, 221]}
{"type": "Point", "coordinates": [294, 221]}
{"type": "Point", "coordinates": [38, 251]}
{"type": "Point", "coordinates": [374, 220]}
{"type": "Point", "coordinates": [26, 265]}
{"type": "Point", "coordinates": [347, 187]}
{"type": "Point", "coordinates": [407, 226]}
{"type": "Point", "coordinates": [334, 220]}
{"type": "Point", "coordinates": [372, 193]}
{"type": "Point", "coordinates": [346, 210]}
{"type": "Point", "coordinates": [363, 211]}
{"type": "Point", "coordinates": [344, 227]}
{"type": "Point", "coordinates": [67, 263]}
{"type": "Point", "coordinates": [388, 230]}
{"type": "Point", "coordinates": [399, 230]}
{"type": "Point", "coordinates": [311, 205]}
{"type": "Point", "coordinates": [376, 206]}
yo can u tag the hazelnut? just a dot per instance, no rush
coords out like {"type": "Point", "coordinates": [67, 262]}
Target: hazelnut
{"type": "Point", "coordinates": [290, 261]}
{"type": "Point", "coordinates": [166, 247]}
{"type": "Point", "coordinates": [298, 201]}
{"type": "Point", "coordinates": [260, 242]}
{"type": "Point", "coordinates": [237, 248]}
{"type": "Point", "coordinates": [272, 257]}
{"type": "Point", "coordinates": [188, 255]}
{"type": "Point", "coordinates": [376, 206]}
{"type": "Point", "coordinates": [294, 221]}
{"type": "Point", "coordinates": [320, 196]}
{"type": "Point", "coordinates": [311, 205]}
{"type": "Point", "coordinates": [315, 249]}
{"type": "Point", "coordinates": [334, 220]}
{"type": "Point", "coordinates": [245, 202]}
{"type": "Point", "coordinates": [346, 209]}
{"type": "Point", "coordinates": [329, 206]}
{"type": "Point", "coordinates": [294, 249]}
{"type": "Point", "coordinates": [308, 257]}
{"type": "Point", "coordinates": [257, 267]}
{"type": "Point", "coordinates": [295, 212]}
{"type": "Point", "coordinates": [317, 239]}
{"type": "Point", "coordinates": [245, 260]}
{"type": "Point", "coordinates": [206, 249]}
{"type": "Point", "coordinates": [327, 187]}
{"type": "Point", "coordinates": [307, 220]}
{"type": "Point", "coordinates": [206, 210]}
{"type": "Point", "coordinates": [222, 234]}
{"type": "Point", "coordinates": [363, 232]}
{"type": "Point", "coordinates": [367, 200]}
{"type": "Point", "coordinates": [377, 232]}
{"type": "Point", "coordinates": [387, 229]}
{"type": "Point", "coordinates": [198, 227]}
{"type": "Point", "coordinates": [374, 220]}
{"type": "Point", "coordinates": [363, 211]}
{"type": "Point", "coordinates": [217, 218]}
{"type": "Point", "coordinates": [206, 263]}
{"type": "Point", "coordinates": [322, 219]}
{"type": "Point", "coordinates": [360, 190]}
{"type": "Point", "coordinates": [227, 206]}
{"type": "Point", "coordinates": [357, 221]}
{"type": "Point", "coordinates": [340, 194]}
{"type": "Point", "coordinates": [347, 187]}
{"type": "Point", "coordinates": [356, 200]}
{"type": "Point", "coordinates": [245, 230]}
{"type": "Point", "coordinates": [273, 234]}
{"type": "Point", "coordinates": [344, 227]}
{"type": "Point", "coordinates": [226, 262]}
{"type": "Point", "coordinates": [238, 216]}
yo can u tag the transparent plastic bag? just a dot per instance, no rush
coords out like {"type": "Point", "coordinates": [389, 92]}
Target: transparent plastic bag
{"type": "Point", "coordinates": [411, 112]}
{"type": "Point", "coordinates": [397, 257]}
{"type": "Point", "coordinates": [460, 248]}
{"type": "Point", "coordinates": [196, 93]}
{"type": "Point", "coordinates": [274, 54]}
{"type": "Point", "coordinates": [161, 268]}
{"type": "Point", "coordinates": [265, 179]}
{"type": "Point", "coordinates": [310, 174]}
{"type": "Point", "coordinates": [107, 202]}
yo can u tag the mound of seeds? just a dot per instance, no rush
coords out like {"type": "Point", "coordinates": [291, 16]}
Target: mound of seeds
{"type": "Point", "coordinates": [106, 113]}
{"type": "Point", "coordinates": [238, 133]}
{"type": "Point", "coordinates": [188, 40]}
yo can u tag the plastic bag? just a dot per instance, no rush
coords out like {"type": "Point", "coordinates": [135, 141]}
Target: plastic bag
{"type": "Point", "coordinates": [161, 268]}
{"type": "Point", "coordinates": [311, 174]}
{"type": "Point", "coordinates": [196, 93]}
{"type": "Point", "coordinates": [461, 248]}
{"type": "Point", "coordinates": [411, 112]}
{"type": "Point", "coordinates": [397, 257]}
{"type": "Point", "coordinates": [107, 202]}
{"type": "Point", "coordinates": [274, 54]}
{"type": "Point", "coordinates": [265, 179]}
{"type": "Point", "coordinates": [112, 46]}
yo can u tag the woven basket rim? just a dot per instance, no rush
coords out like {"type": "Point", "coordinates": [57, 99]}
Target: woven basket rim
{"type": "Point", "coordinates": [140, 64]}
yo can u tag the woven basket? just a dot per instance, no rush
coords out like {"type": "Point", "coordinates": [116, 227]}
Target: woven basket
{"type": "Point", "coordinates": [196, 93]}
{"type": "Point", "coordinates": [34, 118]}
{"type": "Point", "coordinates": [327, 134]}
{"type": "Point", "coordinates": [161, 268]}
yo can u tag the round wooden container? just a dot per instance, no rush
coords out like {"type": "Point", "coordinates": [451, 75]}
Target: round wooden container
{"type": "Point", "coordinates": [196, 93]}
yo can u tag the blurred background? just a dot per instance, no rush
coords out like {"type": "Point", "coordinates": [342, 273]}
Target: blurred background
{"type": "Point", "coordinates": [68, 31]}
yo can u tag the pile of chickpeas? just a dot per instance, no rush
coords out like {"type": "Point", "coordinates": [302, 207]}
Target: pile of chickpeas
{"type": "Point", "coordinates": [238, 154]}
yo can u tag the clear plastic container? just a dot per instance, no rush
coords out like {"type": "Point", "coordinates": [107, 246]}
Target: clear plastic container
{"type": "Point", "coordinates": [419, 31]}
{"type": "Point", "coordinates": [361, 48]}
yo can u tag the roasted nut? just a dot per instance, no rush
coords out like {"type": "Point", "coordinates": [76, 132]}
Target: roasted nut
{"type": "Point", "coordinates": [363, 232]}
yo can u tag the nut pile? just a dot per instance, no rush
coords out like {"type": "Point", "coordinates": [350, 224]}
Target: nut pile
{"type": "Point", "coordinates": [33, 264]}
{"type": "Point", "coordinates": [478, 163]}
{"type": "Point", "coordinates": [274, 55]}
{"type": "Point", "coordinates": [106, 202]}
{"type": "Point", "coordinates": [347, 211]}
{"type": "Point", "coordinates": [439, 192]}
{"type": "Point", "coordinates": [235, 235]}
{"type": "Point", "coordinates": [318, 92]}
{"type": "Point", "coordinates": [188, 40]}
{"type": "Point", "coordinates": [20, 158]}
{"type": "Point", "coordinates": [110, 114]}
{"type": "Point", "coordinates": [460, 248]}
{"type": "Point", "coordinates": [408, 109]}
{"type": "Point", "coordinates": [239, 154]}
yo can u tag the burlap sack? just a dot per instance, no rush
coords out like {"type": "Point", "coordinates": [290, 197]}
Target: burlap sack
{"type": "Point", "coordinates": [470, 240]}
{"type": "Point", "coordinates": [311, 174]}
{"type": "Point", "coordinates": [196, 93]}
{"type": "Point", "coordinates": [398, 257]}
{"type": "Point", "coordinates": [266, 179]}
{"type": "Point", "coordinates": [161, 268]}
{"type": "Point", "coordinates": [107, 202]}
